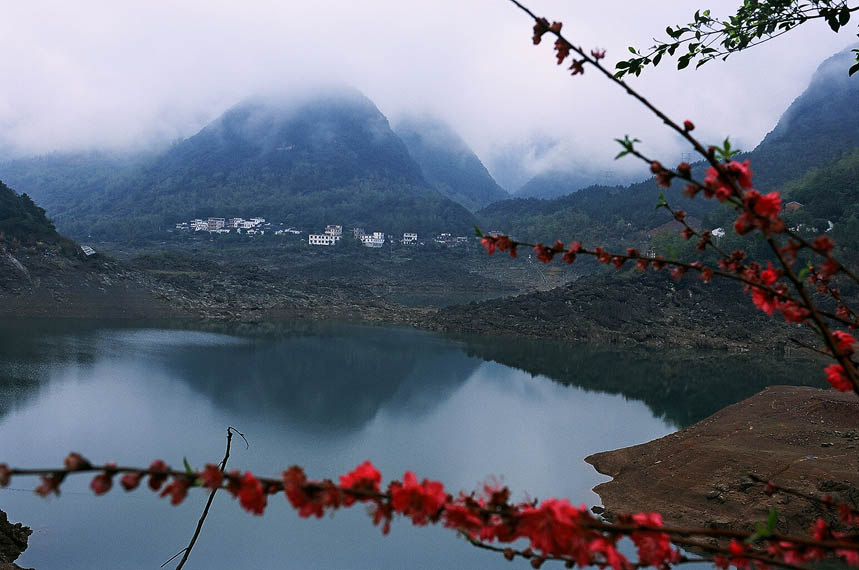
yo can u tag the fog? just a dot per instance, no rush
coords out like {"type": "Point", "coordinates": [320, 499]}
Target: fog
{"type": "Point", "coordinates": [97, 74]}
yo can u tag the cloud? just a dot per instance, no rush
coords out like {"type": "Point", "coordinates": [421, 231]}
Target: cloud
{"type": "Point", "coordinates": [104, 74]}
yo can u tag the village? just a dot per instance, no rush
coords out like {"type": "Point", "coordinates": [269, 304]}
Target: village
{"type": "Point", "coordinates": [331, 235]}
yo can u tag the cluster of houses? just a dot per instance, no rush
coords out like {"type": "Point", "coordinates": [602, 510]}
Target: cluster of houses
{"type": "Point", "coordinates": [334, 233]}
{"type": "Point", "coordinates": [330, 236]}
{"type": "Point", "coordinates": [253, 226]}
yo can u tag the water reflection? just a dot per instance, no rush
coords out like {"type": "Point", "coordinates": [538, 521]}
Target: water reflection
{"type": "Point", "coordinates": [681, 386]}
{"type": "Point", "coordinates": [323, 396]}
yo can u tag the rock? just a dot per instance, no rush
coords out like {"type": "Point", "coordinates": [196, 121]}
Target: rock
{"type": "Point", "coordinates": [13, 539]}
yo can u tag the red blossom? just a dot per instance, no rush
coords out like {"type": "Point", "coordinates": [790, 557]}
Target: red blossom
{"type": "Point", "coordinates": [684, 169]}
{"type": "Point", "coordinates": [562, 47]}
{"type": "Point", "coordinates": [793, 312]}
{"type": "Point", "coordinates": [706, 274]}
{"type": "Point", "coordinates": [688, 126]}
{"type": "Point", "coordinates": [212, 477]}
{"type": "Point", "coordinates": [597, 54]}
{"type": "Point", "coordinates": [130, 481]}
{"type": "Point", "coordinates": [5, 475]}
{"type": "Point", "coordinates": [420, 501]}
{"type": "Point", "coordinates": [642, 264]}
{"type": "Point", "coordinates": [544, 252]}
{"type": "Point", "coordinates": [50, 484]}
{"type": "Point", "coordinates": [177, 489]}
{"type": "Point", "coordinates": [769, 275]}
{"type": "Point", "coordinates": [364, 479]}
{"type": "Point", "coordinates": [844, 341]}
{"type": "Point", "coordinates": [577, 68]}
{"type": "Point", "coordinates": [541, 26]}
{"type": "Point", "coordinates": [156, 479]}
{"type": "Point", "coordinates": [101, 483]}
{"type": "Point", "coordinates": [687, 233]}
{"type": "Point", "coordinates": [837, 378]}
{"type": "Point", "coordinates": [252, 495]}
{"type": "Point", "coordinates": [691, 190]}
{"type": "Point", "coordinates": [618, 261]}
{"type": "Point", "coordinates": [678, 272]}
{"type": "Point", "coordinates": [764, 301]}
{"type": "Point", "coordinates": [75, 462]}
{"type": "Point", "coordinates": [823, 245]}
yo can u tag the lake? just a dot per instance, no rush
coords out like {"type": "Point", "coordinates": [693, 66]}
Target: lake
{"type": "Point", "coordinates": [327, 397]}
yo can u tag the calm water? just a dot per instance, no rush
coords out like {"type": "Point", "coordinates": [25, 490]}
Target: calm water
{"type": "Point", "coordinates": [326, 397]}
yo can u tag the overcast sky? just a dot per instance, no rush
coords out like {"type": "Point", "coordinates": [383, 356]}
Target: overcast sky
{"type": "Point", "coordinates": [117, 74]}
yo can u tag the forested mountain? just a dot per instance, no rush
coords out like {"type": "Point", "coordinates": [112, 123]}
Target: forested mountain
{"type": "Point", "coordinates": [448, 163]}
{"type": "Point", "coordinates": [819, 128]}
{"type": "Point", "coordinates": [61, 182]}
{"type": "Point", "coordinates": [22, 220]}
{"type": "Point", "coordinates": [330, 158]}
{"type": "Point", "coordinates": [554, 184]}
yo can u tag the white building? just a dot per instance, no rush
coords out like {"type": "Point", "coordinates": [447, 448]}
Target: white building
{"type": "Point", "coordinates": [322, 239]}
{"type": "Point", "coordinates": [409, 238]}
{"type": "Point", "coordinates": [335, 231]}
{"type": "Point", "coordinates": [199, 225]}
{"type": "Point", "coordinates": [376, 239]}
{"type": "Point", "coordinates": [257, 221]}
{"type": "Point", "coordinates": [216, 224]}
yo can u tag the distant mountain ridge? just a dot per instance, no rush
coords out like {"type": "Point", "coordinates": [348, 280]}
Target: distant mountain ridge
{"type": "Point", "coordinates": [448, 163]}
{"type": "Point", "coordinates": [322, 159]}
{"type": "Point", "coordinates": [818, 128]}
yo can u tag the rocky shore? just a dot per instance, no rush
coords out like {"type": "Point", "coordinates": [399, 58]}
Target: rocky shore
{"type": "Point", "coordinates": [632, 308]}
{"type": "Point", "coordinates": [801, 438]}
{"type": "Point", "coordinates": [13, 541]}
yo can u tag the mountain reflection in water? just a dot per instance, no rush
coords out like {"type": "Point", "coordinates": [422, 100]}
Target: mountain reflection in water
{"type": "Point", "coordinates": [325, 396]}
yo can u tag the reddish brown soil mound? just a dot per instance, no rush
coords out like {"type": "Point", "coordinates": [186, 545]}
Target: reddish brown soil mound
{"type": "Point", "coordinates": [802, 438]}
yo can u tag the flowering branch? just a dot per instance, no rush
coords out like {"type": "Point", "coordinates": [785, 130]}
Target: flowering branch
{"type": "Point", "coordinates": [730, 182]}
{"type": "Point", "coordinates": [555, 529]}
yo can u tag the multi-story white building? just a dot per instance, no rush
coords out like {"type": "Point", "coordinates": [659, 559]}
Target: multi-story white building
{"type": "Point", "coordinates": [199, 225]}
{"type": "Point", "coordinates": [322, 239]}
{"type": "Point", "coordinates": [376, 239]}
{"type": "Point", "coordinates": [215, 224]}
{"type": "Point", "coordinates": [357, 233]}
{"type": "Point", "coordinates": [409, 238]}
{"type": "Point", "coordinates": [257, 221]}
{"type": "Point", "coordinates": [336, 231]}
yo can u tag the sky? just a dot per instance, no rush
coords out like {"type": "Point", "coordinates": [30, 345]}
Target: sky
{"type": "Point", "coordinates": [102, 74]}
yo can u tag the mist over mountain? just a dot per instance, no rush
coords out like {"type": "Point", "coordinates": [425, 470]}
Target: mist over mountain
{"type": "Point", "coordinates": [448, 163]}
{"type": "Point", "coordinates": [820, 127]}
{"type": "Point", "coordinates": [329, 157]}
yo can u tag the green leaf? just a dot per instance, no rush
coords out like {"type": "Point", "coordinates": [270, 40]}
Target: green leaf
{"type": "Point", "coordinates": [844, 16]}
{"type": "Point", "coordinates": [631, 49]}
{"type": "Point", "coordinates": [188, 468]}
{"type": "Point", "coordinates": [622, 65]}
{"type": "Point", "coordinates": [803, 273]}
{"type": "Point", "coordinates": [657, 59]}
{"type": "Point", "coordinates": [772, 519]}
{"type": "Point", "coordinates": [477, 232]}
{"type": "Point", "coordinates": [853, 69]}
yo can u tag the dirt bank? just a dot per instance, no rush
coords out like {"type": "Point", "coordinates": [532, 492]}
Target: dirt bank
{"type": "Point", "coordinates": [803, 438]}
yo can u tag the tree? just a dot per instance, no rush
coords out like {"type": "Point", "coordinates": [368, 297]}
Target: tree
{"type": "Point", "coordinates": [706, 37]}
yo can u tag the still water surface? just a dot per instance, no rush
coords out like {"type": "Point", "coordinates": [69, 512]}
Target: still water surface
{"type": "Point", "coordinates": [326, 397]}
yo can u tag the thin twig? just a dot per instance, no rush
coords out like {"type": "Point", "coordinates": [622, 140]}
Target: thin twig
{"type": "Point", "coordinates": [223, 466]}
